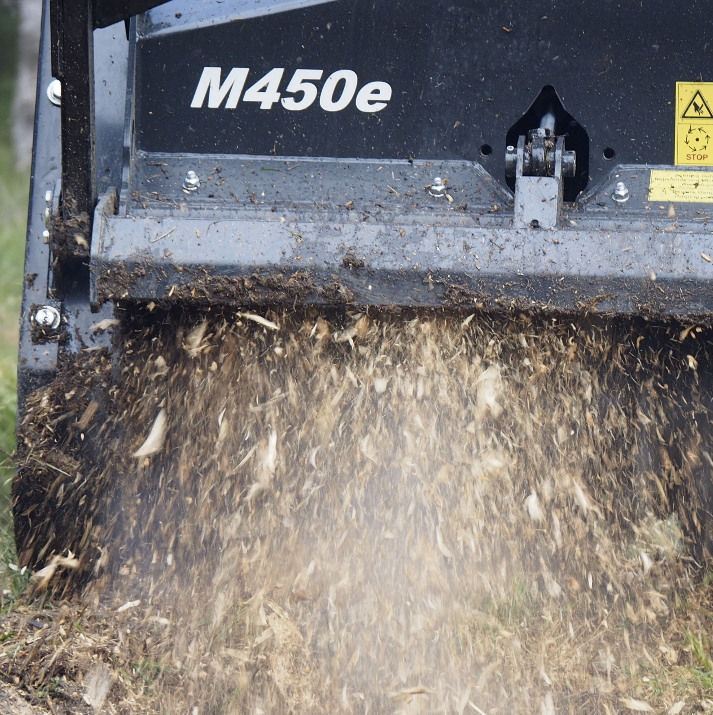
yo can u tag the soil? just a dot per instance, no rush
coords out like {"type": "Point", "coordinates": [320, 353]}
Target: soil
{"type": "Point", "coordinates": [53, 656]}
{"type": "Point", "coordinates": [352, 261]}
{"type": "Point", "coordinates": [12, 703]}
{"type": "Point", "coordinates": [201, 285]}
{"type": "Point", "coordinates": [70, 238]}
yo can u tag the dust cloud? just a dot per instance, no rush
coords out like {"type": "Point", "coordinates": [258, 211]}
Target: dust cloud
{"type": "Point", "coordinates": [372, 513]}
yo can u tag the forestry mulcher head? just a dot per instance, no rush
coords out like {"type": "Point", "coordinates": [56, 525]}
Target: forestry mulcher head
{"type": "Point", "coordinates": [381, 153]}
{"type": "Point", "coordinates": [304, 152]}
{"type": "Point", "coordinates": [377, 329]}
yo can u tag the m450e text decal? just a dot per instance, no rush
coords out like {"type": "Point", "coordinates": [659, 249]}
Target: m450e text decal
{"type": "Point", "coordinates": [336, 93]}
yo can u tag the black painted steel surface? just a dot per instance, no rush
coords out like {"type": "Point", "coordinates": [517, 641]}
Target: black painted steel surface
{"type": "Point", "coordinates": [315, 200]}
{"type": "Point", "coordinates": [372, 232]}
{"type": "Point", "coordinates": [462, 75]}
{"type": "Point", "coordinates": [38, 359]}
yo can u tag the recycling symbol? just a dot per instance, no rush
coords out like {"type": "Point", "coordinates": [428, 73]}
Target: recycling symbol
{"type": "Point", "coordinates": [697, 138]}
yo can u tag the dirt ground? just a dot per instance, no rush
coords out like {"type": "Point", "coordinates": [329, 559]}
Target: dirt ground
{"type": "Point", "coordinates": [66, 659]}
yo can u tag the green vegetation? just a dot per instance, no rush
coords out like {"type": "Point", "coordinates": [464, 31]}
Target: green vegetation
{"type": "Point", "coordinates": [680, 681]}
{"type": "Point", "coordinates": [13, 580]}
{"type": "Point", "coordinates": [518, 607]}
{"type": "Point", "coordinates": [690, 675]}
{"type": "Point", "coordinates": [700, 650]}
{"type": "Point", "coordinates": [13, 216]}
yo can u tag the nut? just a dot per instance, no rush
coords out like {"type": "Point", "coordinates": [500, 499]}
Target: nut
{"type": "Point", "coordinates": [621, 193]}
{"type": "Point", "coordinates": [48, 317]}
{"type": "Point", "coordinates": [438, 188]}
{"type": "Point", "coordinates": [191, 182]}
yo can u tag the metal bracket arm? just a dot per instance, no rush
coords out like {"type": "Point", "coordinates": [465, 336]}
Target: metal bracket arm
{"type": "Point", "coordinates": [538, 199]}
{"type": "Point", "coordinates": [72, 25]}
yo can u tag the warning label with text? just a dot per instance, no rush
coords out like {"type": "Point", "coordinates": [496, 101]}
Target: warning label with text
{"type": "Point", "coordinates": [681, 186]}
{"type": "Point", "coordinates": [694, 123]}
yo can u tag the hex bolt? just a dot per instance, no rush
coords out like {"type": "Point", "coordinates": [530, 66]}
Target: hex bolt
{"type": "Point", "coordinates": [620, 193]}
{"type": "Point", "coordinates": [438, 188]}
{"type": "Point", "coordinates": [48, 317]}
{"type": "Point", "coordinates": [191, 182]}
{"type": "Point", "coordinates": [54, 92]}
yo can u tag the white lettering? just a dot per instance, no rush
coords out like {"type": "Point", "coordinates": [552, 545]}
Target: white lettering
{"type": "Point", "coordinates": [373, 97]}
{"type": "Point", "coordinates": [327, 101]}
{"type": "Point", "coordinates": [335, 96]}
{"type": "Point", "coordinates": [210, 82]}
{"type": "Point", "coordinates": [264, 90]}
{"type": "Point", "coordinates": [298, 84]}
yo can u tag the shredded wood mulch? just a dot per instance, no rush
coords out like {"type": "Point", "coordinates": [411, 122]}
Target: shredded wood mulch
{"type": "Point", "coordinates": [368, 513]}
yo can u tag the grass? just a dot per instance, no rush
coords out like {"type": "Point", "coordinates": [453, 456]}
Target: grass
{"type": "Point", "coordinates": [517, 608]}
{"type": "Point", "coordinates": [690, 677]}
{"type": "Point", "coordinates": [14, 189]}
{"type": "Point", "coordinates": [700, 650]}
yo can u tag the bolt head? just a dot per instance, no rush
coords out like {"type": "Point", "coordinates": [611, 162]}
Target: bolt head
{"type": "Point", "coordinates": [48, 317]}
{"type": "Point", "coordinates": [438, 188]}
{"type": "Point", "coordinates": [620, 193]}
{"type": "Point", "coordinates": [191, 182]}
{"type": "Point", "coordinates": [54, 92]}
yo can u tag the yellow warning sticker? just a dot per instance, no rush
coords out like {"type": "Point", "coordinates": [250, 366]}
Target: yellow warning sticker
{"type": "Point", "coordinates": [681, 186]}
{"type": "Point", "coordinates": [694, 124]}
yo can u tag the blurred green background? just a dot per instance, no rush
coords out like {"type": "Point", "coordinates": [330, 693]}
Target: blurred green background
{"type": "Point", "coordinates": [14, 190]}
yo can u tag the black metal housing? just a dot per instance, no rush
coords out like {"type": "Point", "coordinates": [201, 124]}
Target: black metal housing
{"type": "Point", "coordinates": [330, 206]}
